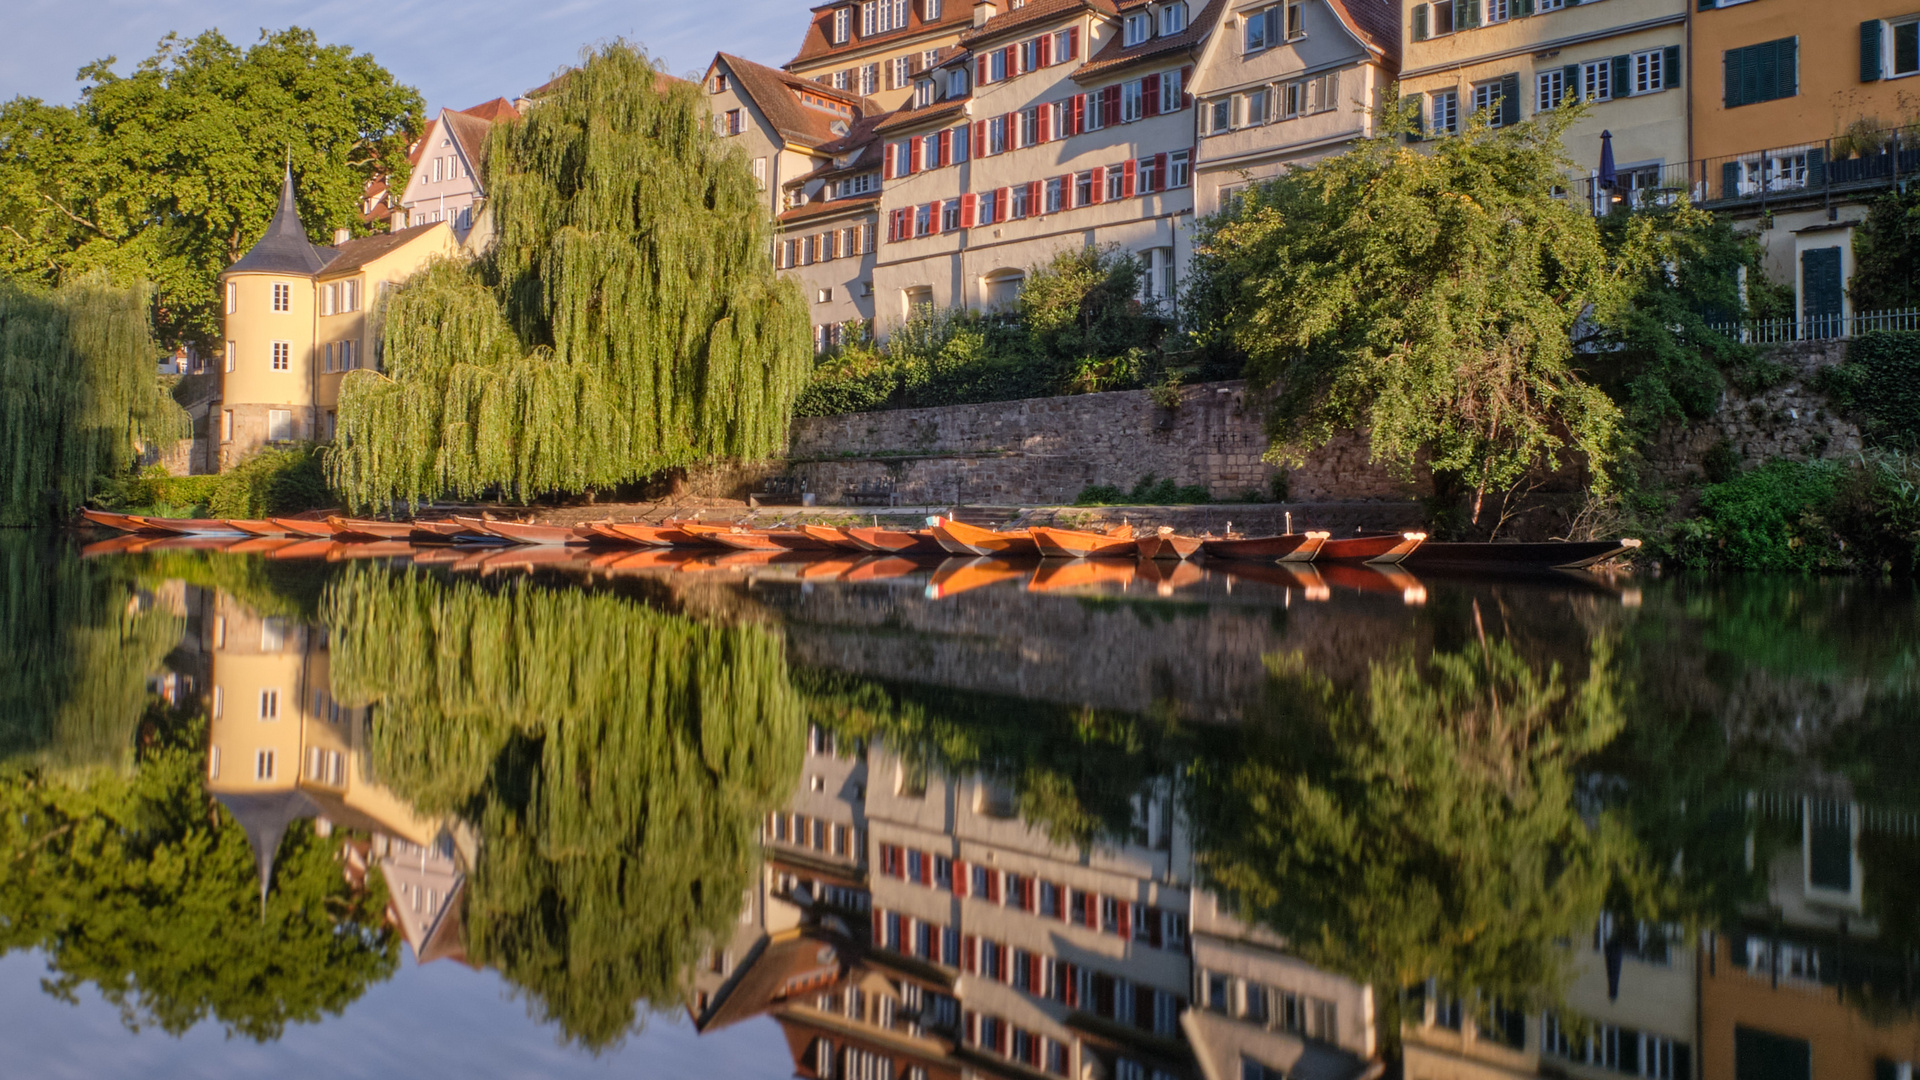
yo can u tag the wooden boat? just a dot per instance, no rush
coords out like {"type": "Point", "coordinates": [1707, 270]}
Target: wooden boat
{"type": "Point", "coordinates": [1383, 548]}
{"type": "Point", "coordinates": [529, 556]}
{"type": "Point", "coordinates": [530, 535]}
{"type": "Point", "coordinates": [124, 522]}
{"type": "Point", "coordinates": [657, 535]}
{"type": "Point", "coordinates": [883, 568]}
{"type": "Point", "coordinates": [448, 529]}
{"type": "Point", "coordinates": [1079, 573]}
{"type": "Point", "coordinates": [1166, 544]}
{"type": "Point", "coordinates": [1553, 555]}
{"type": "Point", "coordinates": [1287, 547]}
{"type": "Point", "coordinates": [318, 530]}
{"type": "Point", "coordinates": [962, 539]}
{"type": "Point", "coordinates": [897, 541]}
{"type": "Point", "coordinates": [256, 527]}
{"type": "Point", "coordinates": [190, 526]}
{"type": "Point", "coordinates": [832, 537]}
{"type": "Point", "coordinates": [603, 530]}
{"type": "Point", "coordinates": [758, 539]}
{"type": "Point", "coordinates": [357, 528]}
{"type": "Point", "coordinates": [956, 576]}
{"type": "Point", "coordinates": [1071, 544]}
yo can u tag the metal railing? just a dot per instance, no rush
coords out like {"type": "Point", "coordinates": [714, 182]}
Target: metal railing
{"type": "Point", "coordinates": [1818, 327]}
{"type": "Point", "coordinates": [1849, 164]}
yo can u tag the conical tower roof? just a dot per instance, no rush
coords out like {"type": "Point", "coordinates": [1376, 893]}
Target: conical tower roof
{"type": "Point", "coordinates": [285, 248]}
{"type": "Point", "coordinates": [265, 818]}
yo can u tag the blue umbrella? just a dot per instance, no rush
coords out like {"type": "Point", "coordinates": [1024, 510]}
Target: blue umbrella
{"type": "Point", "coordinates": [1608, 175]}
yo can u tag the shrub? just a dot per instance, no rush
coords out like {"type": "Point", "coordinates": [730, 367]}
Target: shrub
{"type": "Point", "coordinates": [1879, 385]}
{"type": "Point", "coordinates": [1770, 518]}
{"type": "Point", "coordinates": [273, 480]}
{"type": "Point", "coordinates": [1149, 491]}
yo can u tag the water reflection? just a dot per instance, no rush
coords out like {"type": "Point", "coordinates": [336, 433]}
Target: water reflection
{"type": "Point", "coordinates": [979, 817]}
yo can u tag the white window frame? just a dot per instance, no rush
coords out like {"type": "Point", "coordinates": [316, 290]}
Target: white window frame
{"type": "Point", "coordinates": [1219, 115]}
{"type": "Point", "coordinates": [1497, 11]}
{"type": "Point", "coordinates": [1136, 29]}
{"type": "Point", "coordinates": [263, 765]}
{"type": "Point", "coordinates": [1173, 18]}
{"type": "Point", "coordinates": [902, 70]}
{"type": "Point", "coordinates": [282, 296]}
{"type": "Point", "coordinates": [282, 356]}
{"type": "Point", "coordinates": [273, 424]}
{"type": "Point", "coordinates": [1133, 101]}
{"type": "Point", "coordinates": [270, 703]}
{"type": "Point", "coordinates": [1259, 106]}
{"type": "Point", "coordinates": [1549, 89]}
{"type": "Point", "coordinates": [233, 297]}
{"type": "Point", "coordinates": [1179, 168]}
{"type": "Point", "coordinates": [1172, 93]}
{"type": "Point", "coordinates": [870, 79]}
{"type": "Point", "coordinates": [956, 83]}
{"type": "Point", "coordinates": [930, 11]}
{"type": "Point", "coordinates": [842, 24]}
{"type": "Point", "coordinates": [1649, 71]}
{"type": "Point", "coordinates": [1888, 46]}
{"type": "Point", "coordinates": [1444, 112]}
{"type": "Point", "coordinates": [1596, 80]}
{"type": "Point", "coordinates": [1488, 98]}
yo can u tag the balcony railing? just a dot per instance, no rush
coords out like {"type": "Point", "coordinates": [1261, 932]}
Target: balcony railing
{"type": "Point", "coordinates": [1819, 327]}
{"type": "Point", "coordinates": [1753, 181]}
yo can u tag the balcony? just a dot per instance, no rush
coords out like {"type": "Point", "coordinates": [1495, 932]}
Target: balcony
{"type": "Point", "coordinates": [1754, 182]}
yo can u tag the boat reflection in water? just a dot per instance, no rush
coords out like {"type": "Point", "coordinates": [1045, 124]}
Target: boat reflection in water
{"type": "Point", "coordinates": [1004, 818]}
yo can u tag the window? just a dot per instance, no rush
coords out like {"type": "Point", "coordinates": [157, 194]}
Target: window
{"type": "Point", "coordinates": [956, 83]}
{"type": "Point", "coordinates": [882, 16]}
{"type": "Point", "coordinates": [1777, 170]}
{"type": "Point", "coordinates": [736, 122]}
{"type": "Point", "coordinates": [923, 219]}
{"type": "Point", "coordinates": [349, 356]}
{"type": "Point", "coordinates": [842, 25]}
{"type": "Point", "coordinates": [900, 71]}
{"type": "Point", "coordinates": [950, 215]}
{"type": "Point", "coordinates": [1548, 5]}
{"type": "Point", "coordinates": [1899, 55]}
{"type": "Point", "coordinates": [1056, 192]}
{"type": "Point", "coordinates": [985, 214]}
{"type": "Point", "coordinates": [1497, 11]}
{"type": "Point", "coordinates": [1065, 44]}
{"type": "Point", "coordinates": [821, 296]}
{"type": "Point", "coordinates": [1028, 53]}
{"type": "Point", "coordinates": [279, 425]}
{"type": "Point", "coordinates": [1094, 116]}
{"type": "Point", "coordinates": [870, 79]}
{"type": "Point", "coordinates": [1173, 19]}
{"type": "Point", "coordinates": [273, 635]}
{"type": "Point", "coordinates": [1256, 35]}
{"type": "Point", "coordinates": [263, 765]}
{"type": "Point", "coordinates": [1314, 95]}
{"type": "Point", "coordinates": [930, 152]}
{"type": "Point", "coordinates": [282, 296]}
{"type": "Point", "coordinates": [229, 356]}
{"type": "Point", "coordinates": [1083, 189]}
{"type": "Point", "coordinates": [1491, 98]}
{"type": "Point", "coordinates": [1157, 286]}
{"type": "Point", "coordinates": [1432, 20]}
{"type": "Point", "coordinates": [1029, 126]}
{"type": "Point", "coordinates": [1018, 203]}
{"type": "Point", "coordinates": [269, 704]}
{"type": "Point", "coordinates": [1444, 114]}
{"type": "Point", "coordinates": [1173, 96]}
{"type": "Point", "coordinates": [1550, 89]}
{"type": "Point", "coordinates": [1136, 29]}
{"type": "Point", "coordinates": [1763, 72]}
{"type": "Point", "coordinates": [1179, 169]}
{"type": "Point", "coordinates": [1259, 105]}
{"type": "Point", "coordinates": [1220, 115]}
{"type": "Point", "coordinates": [226, 424]}
{"type": "Point", "coordinates": [1132, 101]}
{"type": "Point", "coordinates": [922, 93]}
{"type": "Point", "coordinates": [436, 169]}
{"type": "Point", "coordinates": [282, 356]}
{"type": "Point", "coordinates": [1596, 80]}
{"type": "Point", "coordinates": [1296, 22]}
{"type": "Point", "coordinates": [233, 297]}
{"type": "Point", "coordinates": [1650, 71]}
{"type": "Point", "coordinates": [997, 135]}
{"type": "Point", "coordinates": [1116, 182]}
{"type": "Point", "coordinates": [930, 11]}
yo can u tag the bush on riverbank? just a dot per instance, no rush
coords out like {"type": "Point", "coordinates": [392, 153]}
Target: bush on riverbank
{"type": "Point", "coordinates": [1861, 514]}
{"type": "Point", "coordinates": [273, 480]}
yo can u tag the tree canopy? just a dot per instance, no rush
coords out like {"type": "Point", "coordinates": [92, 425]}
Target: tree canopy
{"type": "Point", "coordinates": [79, 393]}
{"type": "Point", "coordinates": [1426, 293]}
{"type": "Point", "coordinates": [171, 172]}
{"type": "Point", "coordinates": [628, 319]}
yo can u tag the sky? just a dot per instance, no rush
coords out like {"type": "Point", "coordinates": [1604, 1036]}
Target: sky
{"type": "Point", "coordinates": [455, 54]}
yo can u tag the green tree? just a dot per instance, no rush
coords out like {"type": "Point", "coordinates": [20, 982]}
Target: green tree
{"type": "Point", "coordinates": [170, 173]}
{"type": "Point", "coordinates": [78, 394]}
{"type": "Point", "coordinates": [627, 320]}
{"type": "Point", "coordinates": [1425, 294]}
{"type": "Point", "coordinates": [616, 762]}
{"type": "Point", "coordinates": [1886, 254]}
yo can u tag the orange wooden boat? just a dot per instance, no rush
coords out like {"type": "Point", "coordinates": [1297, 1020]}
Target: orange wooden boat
{"type": "Point", "coordinates": [189, 526]}
{"type": "Point", "coordinates": [740, 539]}
{"type": "Point", "coordinates": [1166, 544]}
{"type": "Point", "coordinates": [1288, 547]}
{"type": "Point", "coordinates": [956, 576]}
{"type": "Point", "coordinates": [1383, 548]}
{"type": "Point", "coordinates": [530, 535]}
{"type": "Point", "coordinates": [832, 537]}
{"type": "Point", "coordinates": [123, 522]}
{"type": "Point", "coordinates": [1071, 544]}
{"type": "Point", "coordinates": [369, 549]}
{"type": "Point", "coordinates": [897, 541]}
{"type": "Point", "coordinates": [448, 529]}
{"type": "Point", "coordinates": [1053, 575]}
{"type": "Point", "coordinates": [962, 539]}
{"type": "Point", "coordinates": [317, 530]}
{"type": "Point", "coordinates": [657, 535]}
{"type": "Point", "coordinates": [355, 528]}
{"type": "Point", "coordinates": [529, 556]}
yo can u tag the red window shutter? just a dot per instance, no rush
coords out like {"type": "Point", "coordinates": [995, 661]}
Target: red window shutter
{"type": "Point", "coordinates": [1046, 123]}
{"type": "Point", "coordinates": [1078, 122]}
{"type": "Point", "coordinates": [1013, 60]}
{"type": "Point", "coordinates": [1046, 50]}
{"type": "Point", "coordinates": [1036, 974]}
{"type": "Point", "coordinates": [1150, 96]}
{"type": "Point", "coordinates": [1126, 920]}
{"type": "Point", "coordinates": [980, 70]}
{"type": "Point", "coordinates": [969, 210]}
{"type": "Point", "coordinates": [969, 960]}
{"type": "Point", "coordinates": [879, 921]}
{"type": "Point", "coordinates": [933, 217]}
{"type": "Point", "coordinates": [1130, 175]}
{"type": "Point", "coordinates": [1034, 194]}
{"type": "Point", "coordinates": [1070, 978]}
{"type": "Point", "coordinates": [886, 162]}
{"type": "Point", "coordinates": [1110, 105]}
{"type": "Point", "coordinates": [960, 881]}
{"type": "Point", "coordinates": [979, 147]}
{"type": "Point", "coordinates": [1001, 197]}
{"type": "Point", "coordinates": [914, 164]}
{"type": "Point", "coordinates": [1160, 171]}
{"type": "Point", "coordinates": [1186, 81]}
{"type": "Point", "coordinates": [946, 147]}
{"type": "Point", "coordinates": [1006, 964]}
{"type": "Point", "coordinates": [926, 869]}
{"type": "Point", "coordinates": [1073, 42]}
{"type": "Point", "coordinates": [1093, 910]}
{"type": "Point", "coordinates": [1099, 183]}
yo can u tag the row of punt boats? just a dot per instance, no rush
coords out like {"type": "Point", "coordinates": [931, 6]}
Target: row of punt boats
{"type": "Point", "coordinates": [942, 536]}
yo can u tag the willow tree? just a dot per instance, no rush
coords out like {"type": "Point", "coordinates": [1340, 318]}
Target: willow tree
{"type": "Point", "coordinates": [615, 761]}
{"type": "Point", "coordinates": [627, 320]}
{"type": "Point", "coordinates": [78, 393]}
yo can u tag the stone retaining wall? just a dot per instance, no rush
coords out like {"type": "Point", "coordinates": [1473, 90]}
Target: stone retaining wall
{"type": "Point", "coordinates": [1788, 420]}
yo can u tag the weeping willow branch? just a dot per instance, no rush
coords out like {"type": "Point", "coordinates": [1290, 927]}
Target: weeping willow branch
{"type": "Point", "coordinates": [627, 320]}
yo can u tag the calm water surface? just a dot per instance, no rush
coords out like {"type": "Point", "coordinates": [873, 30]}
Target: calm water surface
{"type": "Point", "coordinates": [430, 814]}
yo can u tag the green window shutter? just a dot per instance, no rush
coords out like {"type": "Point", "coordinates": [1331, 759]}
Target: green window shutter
{"type": "Point", "coordinates": [1510, 98]}
{"type": "Point", "coordinates": [1729, 179]}
{"type": "Point", "coordinates": [1706, 5]}
{"type": "Point", "coordinates": [1670, 67]}
{"type": "Point", "coordinates": [1757, 70]}
{"type": "Point", "coordinates": [1731, 58]}
{"type": "Point", "coordinates": [1571, 76]}
{"type": "Point", "coordinates": [1817, 167]}
{"type": "Point", "coordinates": [1467, 13]}
{"type": "Point", "coordinates": [1870, 50]}
{"type": "Point", "coordinates": [1420, 22]}
{"type": "Point", "coordinates": [1789, 53]}
{"type": "Point", "coordinates": [1622, 76]}
{"type": "Point", "coordinates": [1522, 8]}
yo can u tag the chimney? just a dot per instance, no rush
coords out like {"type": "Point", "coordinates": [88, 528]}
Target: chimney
{"type": "Point", "coordinates": [341, 236]}
{"type": "Point", "coordinates": [984, 10]}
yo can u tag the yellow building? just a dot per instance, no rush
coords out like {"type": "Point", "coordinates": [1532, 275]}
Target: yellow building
{"type": "Point", "coordinates": [1511, 59]}
{"type": "Point", "coordinates": [297, 318]}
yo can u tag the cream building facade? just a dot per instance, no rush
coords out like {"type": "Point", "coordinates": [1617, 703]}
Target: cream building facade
{"type": "Point", "coordinates": [445, 184]}
{"type": "Point", "coordinates": [297, 318]}
{"type": "Point", "coordinates": [877, 48]}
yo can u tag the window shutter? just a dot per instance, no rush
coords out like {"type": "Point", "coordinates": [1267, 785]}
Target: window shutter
{"type": "Point", "coordinates": [1729, 179]}
{"type": "Point", "coordinates": [1510, 98]}
{"type": "Point", "coordinates": [1523, 8]}
{"type": "Point", "coordinates": [980, 70]}
{"type": "Point", "coordinates": [1099, 183]}
{"type": "Point", "coordinates": [933, 217]}
{"type": "Point", "coordinates": [1013, 61]}
{"type": "Point", "coordinates": [969, 954]}
{"type": "Point", "coordinates": [1035, 190]}
{"type": "Point", "coordinates": [1417, 118]}
{"type": "Point", "coordinates": [1706, 5]}
{"type": "Point", "coordinates": [1045, 49]}
{"type": "Point", "coordinates": [886, 161]}
{"type": "Point", "coordinates": [1731, 59]}
{"type": "Point", "coordinates": [1870, 50]}
{"type": "Point", "coordinates": [915, 159]}
{"type": "Point", "coordinates": [1129, 178]}
{"type": "Point", "coordinates": [1126, 920]}
{"type": "Point", "coordinates": [879, 925]}
{"type": "Point", "coordinates": [1150, 96]}
{"type": "Point", "coordinates": [946, 147]}
{"type": "Point", "coordinates": [1468, 13]}
{"type": "Point", "coordinates": [1110, 105]}
{"type": "Point", "coordinates": [1079, 114]}
{"type": "Point", "coordinates": [1160, 171]}
{"type": "Point", "coordinates": [1276, 31]}
{"type": "Point", "coordinates": [980, 148]}
{"type": "Point", "coordinates": [1045, 125]}
{"type": "Point", "coordinates": [960, 880]}
{"type": "Point", "coordinates": [969, 210]}
{"type": "Point", "coordinates": [1186, 80]}
{"type": "Point", "coordinates": [1622, 76]}
{"type": "Point", "coordinates": [1670, 67]}
{"type": "Point", "coordinates": [1420, 22]}
{"type": "Point", "coordinates": [1789, 59]}
{"type": "Point", "coordinates": [1073, 42]}
{"type": "Point", "coordinates": [1570, 75]}
{"type": "Point", "coordinates": [1816, 166]}
{"type": "Point", "coordinates": [1001, 198]}
{"type": "Point", "coordinates": [893, 232]}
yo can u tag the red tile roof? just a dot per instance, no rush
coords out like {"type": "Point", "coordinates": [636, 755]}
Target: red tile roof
{"type": "Point", "coordinates": [906, 118]}
{"type": "Point", "coordinates": [1113, 55]}
{"type": "Point", "coordinates": [494, 111]}
{"type": "Point", "coordinates": [817, 47]}
{"type": "Point", "coordinates": [1375, 22]}
{"type": "Point", "coordinates": [773, 92]}
{"type": "Point", "coordinates": [829, 208]}
{"type": "Point", "coordinates": [1030, 14]}
{"type": "Point", "coordinates": [354, 254]}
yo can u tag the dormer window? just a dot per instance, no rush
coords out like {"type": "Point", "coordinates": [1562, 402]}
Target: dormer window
{"type": "Point", "coordinates": [956, 83]}
{"type": "Point", "coordinates": [842, 24]}
{"type": "Point", "coordinates": [922, 93]}
{"type": "Point", "coordinates": [1137, 29]}
{"type": "Point", "coordinates": [930, 11]}
{"type": "Point", "coordinates": [1173, 19]}
{"type": "Point", "coordinates": [882, 16]}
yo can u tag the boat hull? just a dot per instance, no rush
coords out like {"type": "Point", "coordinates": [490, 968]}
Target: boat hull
{"type": "Point", "coordinates": [837, 539]}
{"type": "Point", "coordinates": [1291, 547]}
{"type": "Point", "coordinates": [529, 535]}
{"type": "Point", "coordinates": [658, 535]}
{"type": "Point", "coordinates": [1556, 555]}
{"type": "Point", "coordinates": [1168, 546]}
{"type": "Point", "coordinates": [313, 530]}
{"type": "Point", "coordinates": [1069, 544]}
{"type": "Point", "coordinates": [963, 539]}
{"type": "Point", "coordinates": [378, 530]}
{"type": "Point", "coordinates": [896, 541]}
{"type": "Point", "coordinates": [1385, 549]}
{"type": "Point", "coordinates": [191, 526]}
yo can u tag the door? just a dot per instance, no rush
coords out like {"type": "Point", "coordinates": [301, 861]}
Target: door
{"type": "Point", "coordinates": [1820, 291]}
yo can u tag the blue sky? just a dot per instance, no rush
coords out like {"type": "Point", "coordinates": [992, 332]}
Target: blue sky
{"type": "Point", "coordinates": [456, 54]}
